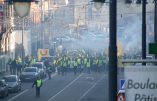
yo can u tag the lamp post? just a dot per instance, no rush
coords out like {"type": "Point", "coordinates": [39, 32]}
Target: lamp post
{"type": "Point", "coordinates": [22, 9]}
{"type": "Point", "coordinates": [144, 30]}
{"type": "Point", "coordinates": [112, 49]}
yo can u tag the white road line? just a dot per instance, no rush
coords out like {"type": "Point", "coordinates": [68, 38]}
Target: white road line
{"type": "Point", "coordinates": [11, 99]}
{"type": "Point", "coordinates": [90, 89]}
{"type": "Point", "coordinates": [65, 88]}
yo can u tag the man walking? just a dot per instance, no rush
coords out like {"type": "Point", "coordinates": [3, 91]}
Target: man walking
{"type": "Point", "coordinates": [38, 84]}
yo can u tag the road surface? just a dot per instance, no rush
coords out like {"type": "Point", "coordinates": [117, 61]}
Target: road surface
{"type": "Point", "coordinates": [70, 87]}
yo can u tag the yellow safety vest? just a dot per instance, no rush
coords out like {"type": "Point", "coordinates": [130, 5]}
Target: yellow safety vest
{"type": "Point", "coordinates": [39, 83]}
{"type": "Point", "coordinates": [75, 64]}
{"type": "Point", "coordinates": [88, 64]}
{"type": "Point", "coordinates": [85, 61]}
{"type": "Point", "coordinates": [79, 61]}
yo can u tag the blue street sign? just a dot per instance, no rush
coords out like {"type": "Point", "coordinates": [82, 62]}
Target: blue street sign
{"type": "Point", "coordinates": [122, 84]}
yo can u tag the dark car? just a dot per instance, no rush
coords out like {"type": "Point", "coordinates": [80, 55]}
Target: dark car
{"type": "Point", "coordinates": [3, 89]}
{"type": "Point", "coordinates": [14, 83]}
{"type": "Point", "coordinates": [29, 74]}
{"type": "Point", "coordinates": [41, 67]}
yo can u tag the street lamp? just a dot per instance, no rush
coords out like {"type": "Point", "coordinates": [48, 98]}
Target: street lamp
{"type": "Point", "coordinates": [112, 49]}
{"type": "Point", "coordinates": [22, 9]}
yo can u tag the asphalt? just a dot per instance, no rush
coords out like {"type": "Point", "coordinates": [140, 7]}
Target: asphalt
{"type": "Point", "coordinates": [70, 87]}
{"type": "Point", "coordinates": [80, 87]}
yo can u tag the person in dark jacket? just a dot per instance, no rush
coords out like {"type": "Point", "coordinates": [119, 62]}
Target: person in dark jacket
{"type": "Point", "coordinates": [38, 83]}
{"type": "Point", "coordinates": [13, 67]}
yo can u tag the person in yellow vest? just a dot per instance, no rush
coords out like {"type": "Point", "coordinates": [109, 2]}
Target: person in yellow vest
{"type": "Point", "coordinates": [69, 63]}
{"type": "Point", "coordinates": [100, 65]}
{"type": "Point", "coordinates": [85, 62]}
{"type": "Point", "coordinates": [79, 64]}
{"type": "Point", "coordinates": [59, 67]}
{"type": "Point", "coordinates": [75, 66]}
{"type": "Point", "coordinates": [19, 65]}
{"type": "Point", "coordinates": [38, 83]}
{"type": "Point", "coordinates": [54, 64]}
{"type": "Point", "coordinates": [95, 63]}
{"type": "Point", "coordinates": [32, 60]}
{"type": "Point", "coordinates": [88, 66]}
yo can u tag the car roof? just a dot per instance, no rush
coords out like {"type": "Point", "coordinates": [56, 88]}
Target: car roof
{"type": "Point", "coordinates": [31, 67]}
{"type": "Point", "coordinates": [11, 76]}
{"type": "Point", "coordinates": [38, 63]}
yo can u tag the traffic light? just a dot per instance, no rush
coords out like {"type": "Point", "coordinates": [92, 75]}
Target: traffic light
{"type": "Point", "coordinates": [128, 1]}
{"type": "Point", "coordinates": [102, 1]}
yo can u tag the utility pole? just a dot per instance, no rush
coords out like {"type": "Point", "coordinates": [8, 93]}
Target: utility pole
{"type": "Point", "coordinates": [113, 51]}
{"type": "Point", "coordinates": [23, 20]}
{"type": "Point", "coordinates": [144, 30]}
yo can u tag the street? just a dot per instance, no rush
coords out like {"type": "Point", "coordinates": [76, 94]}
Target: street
{"type": "Point", "coordinates": [70, 87]}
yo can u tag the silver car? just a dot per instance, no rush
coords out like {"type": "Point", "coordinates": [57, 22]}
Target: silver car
{"type": "Point", "coordinates": [41, 67]}
{"type": "Point", "coordinates": [29, 74]}
{"type": "Point", "coordinates": [14, 83]}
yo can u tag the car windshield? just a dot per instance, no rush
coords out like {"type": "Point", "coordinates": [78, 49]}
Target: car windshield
{"type": "Point", "coordinates": [30, 70]}
{"type": "Point", "coordinates": [10, 79]}
{"type": "Point", "coordinates": [37, 65]}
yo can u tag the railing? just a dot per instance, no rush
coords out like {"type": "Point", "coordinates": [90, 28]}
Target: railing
{"type": "Point", "coordinates": [134, 61]}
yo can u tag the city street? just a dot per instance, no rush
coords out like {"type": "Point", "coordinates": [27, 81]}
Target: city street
{"type": "Point", "coordinates": [80, 87]}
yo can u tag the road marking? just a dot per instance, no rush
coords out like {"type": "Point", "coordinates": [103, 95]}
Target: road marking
{"type": "Point", "coordinates": [65, 88]}
{"type": "Point", "coordinates": [11, 99]}
{"type": "Point", "coordinates": [90, 89]}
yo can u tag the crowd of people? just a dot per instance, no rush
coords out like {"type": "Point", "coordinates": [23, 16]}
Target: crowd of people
{"type": "Point", "coordinates": [15, 65]}
{"type": "Point", "coordinates": [78, 63]}
{"type": "Point", "coordinates": [64, 63]}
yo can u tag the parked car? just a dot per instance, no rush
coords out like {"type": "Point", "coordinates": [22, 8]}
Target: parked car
{"type": "Point", "coordinates": [41, 67]}
{"type": "Point", "coordinates": [29, 74]}
{"type": "Point", "coordinates": [3, 89]}
{"type": "Point", "coordinates": [14, 83]}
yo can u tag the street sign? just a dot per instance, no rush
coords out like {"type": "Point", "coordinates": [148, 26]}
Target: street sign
{"type": "Point", "coordinates": [141, 83]}
{"type": "Point", "coordinates": [121, 96]}
{"type": "Point", "coordinates": [122, 84]}
{"type": "Point", "coordinates": [152, 48]}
